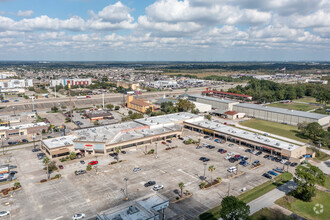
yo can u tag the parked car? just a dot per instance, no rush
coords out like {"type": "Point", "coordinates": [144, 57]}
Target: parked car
{"type": "Point", "coordinates": [267, 175]}
{"type": "Point", "coordinates": [79, 172]}
{"type": "Point", "coordinates": [272, 173]}
{"type": "Point", "coordinates": [206, 137]}
{"type": "Point", "coordinates": [198, 147]}
{"type": "Point", "coordinates": [4, 213]}
{"type": "Point", "coordinates": [113, 154]}
{"type": "Point", "coordinates": [78, 216]}
{"type": "Point", "coordinates": [136, 169]}
{"type": "Point", "coordinates": [231, 145]}
{"type": "Point", "coordinates": [242, 162]}
{"type": "Point", "coordinates": [158, 187]}
{"type": "Point", "coordinates": [181, 138]}
{"type": "Point", "coordinates": [12, 142]}
{"type": "Point", "coordinates": [35, 149]}
{"type": "Point", "coordinates": [204, 159]}
{"type": "Point", "coordinates": [288, 163]}
{"type": "Point", "coordinates": [217, 140]}
{"type": "Point", "coordinates": [230, 153]}
{"type": "Point", "coordinates": [163, 142]}
{"type": "Point", "coordinates": [231, 169]}
{"type": "Point", "coordinates": [248, 150]}
{"type": "Point", "coordinates": [93, 162]}
{"type": "Point", "coordinates": [254, 152]}
{"type": "Point", "coordinates": [283, 161]}
{"type": "Point", "coordinates": [169, 141]}
{"type": "Point", "coordinates": [258, 153]}
{"type": "Point", "coordinates": [25, 141]}
{"type": "Point", "coordinates": [123, 152]}
{"type": "Point", "coordinates": [82, 162]}
{"type": "Point", "coordinates": [293, 164]}
{"type": "Point", "coordinates": [227, 157]}
{"type": "Point", "coordinates": [277, 169]}
{"type": "Point", "coordinates": [232, 160]}
{"type": "Point", "coordinates": [256, 163]}
{"type": "Point", "coordinates": [278, 159]}
{"type": "Point", "coordinates": [61, 167]}
{"type": "Point", "coordinates": [246, 164]}
{"type": "Point", "coordinates": [266, 156]}
{"type": "Point", "coordinates": [270, 157]}
{"type": "Point", "coordinates": [211, 147]}
{"type": "Point", "coordinates": [149, 183]}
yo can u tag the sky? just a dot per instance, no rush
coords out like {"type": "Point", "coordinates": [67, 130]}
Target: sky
{"type": "Point", "coordinates": [165, 30]}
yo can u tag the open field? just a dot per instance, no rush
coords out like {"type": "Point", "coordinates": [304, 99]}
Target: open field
{"type": "Point", "coordinates": [287, 131]}
{"type": "Point", "coordinates": [294, 106]}
{"type": "Point", "coordinates": [91, 193]}
{"type": "Point", "coordinates": [307, 99]}
{"type": "Point", "coordinates": [327, 182]}
{"type": "Point", "coordinates": [308, 210]}
{"type": "Point", "coordinates": [269, 214]}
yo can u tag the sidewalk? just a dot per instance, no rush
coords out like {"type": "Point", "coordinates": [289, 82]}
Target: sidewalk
{"type": "Point", "coordinates": [268, 199]}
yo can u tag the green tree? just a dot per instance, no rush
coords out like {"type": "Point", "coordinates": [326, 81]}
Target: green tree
{"type": "Point", "coordinates": [72, 155]}
{"type": "Point", "coordinates": [46, 162]}
{"type": "Point", "coordinates": [232, 209]}
{"type": "Point", "coordinates": [130, 112]}
{"type": "Point", "coordinates": [109, 106]}
{"type": "Point", "coordinates": [89, 167]}
{"type": "Point", "coordinates": [17, 184]}
{"type": "Point", "coordinates": [208, 117]}
{"type": "Point", "coordinates": [306, 178]}
{"type": "Point", "coordinates": [117, 150]}
{"type": "Point", "coordinates": [96, 122]}
{"type": "Point", "coordinates": [117, 108]}
{"type": "Point", "coordinates": [211, 169]}
{"type": "Point", "coordinates": [181, 186]}
{"type": "Point", "coordinates": [314, 131]}
{"type": "Point", "coordinates": [54, 109]}
{"type": "Point", "coordinates": [184, 105]}
{"type": "Point", "coordinates": [149, 111]}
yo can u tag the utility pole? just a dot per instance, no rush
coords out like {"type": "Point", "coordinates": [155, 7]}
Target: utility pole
{"type": "Point", "coordinates": [34, 141]}
{"type": "Point", "coordinates": [33, 110]}
{"type": "Point", "coordinates": [103, 99]}
{"type": "Point", "coordinates": [204, 178]}
{"type": "Point", "coordinates": [126, 194]}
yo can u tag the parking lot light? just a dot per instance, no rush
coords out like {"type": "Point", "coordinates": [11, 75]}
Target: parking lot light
{"type": "Point", "coordinates": [204, 177]}
{"type": "Point", "coordinates": [126, 194]}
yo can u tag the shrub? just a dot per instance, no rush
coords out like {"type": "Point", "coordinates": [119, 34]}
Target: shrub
{"type": "Point", "coordinates": [219, 179]}
{"type": "Point", "coordinates": [58, 176]}
{"type": "Point", "coordinates": [151, 151]}
{"type": "Point", "coordinates": [17, 184]}
{"type": "Point", "coordinates": [113, 162]}
{"type": "Point", "coordinates": [43, 180]}
{"type": "Point", "coordinates": [117, 107]}
{"type": "Point", "coordinates": [177, 198]}
{"type": "Point", "coordinates": [89, 167]}
{"type": "Point", "coordinates": [202, 185]}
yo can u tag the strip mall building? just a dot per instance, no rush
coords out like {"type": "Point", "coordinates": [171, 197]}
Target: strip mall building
{"type": "Point", "coordinates": [142, 132]}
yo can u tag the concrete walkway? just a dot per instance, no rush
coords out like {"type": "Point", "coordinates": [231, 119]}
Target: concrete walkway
{"type": "Point", "coordinates": [268, 199]}
{"type": "Point", "coordinates": [271, 135]}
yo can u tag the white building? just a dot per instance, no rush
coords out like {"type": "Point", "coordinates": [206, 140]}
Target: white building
{"type": "Point", "coordinates": [203, 107]}
{"type": "Point", "coordinates": [4, 75]}
{"type": "Point", "coordinates": [163, 84]}
{"type": "Point", "coordinates": [73, 82]}
{"type": "Point", "coordinates": [15, 83]}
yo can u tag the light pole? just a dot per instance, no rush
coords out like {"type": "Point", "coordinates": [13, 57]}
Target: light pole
{"type": "Point", "coordinates": [126, 194]}
{"type": "Point", "coordinates": [156, 150]}
{"type": "Point", "coordinates": [204, 164]}
{"type": "Point", "coordinates": [34, 141]}
{"type": "Point", "coordinates": [14, 110]}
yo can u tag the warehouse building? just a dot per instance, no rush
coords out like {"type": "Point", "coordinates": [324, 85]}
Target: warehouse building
{"type": "Point", "coordinates": [202, 107]}
{"type": "Point", "coordinates": [247, 139]}
{"type": "Point", "coordinates": [281, 115]}
{"type": "Point", "coordinates": [216, 103]}
{"type": "Point", "coordinates": [221, 94]}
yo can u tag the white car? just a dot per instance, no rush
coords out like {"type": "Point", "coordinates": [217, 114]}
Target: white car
{"type": "Point", "coordinates": [254, 152]}
{"type": "Point", "coordinates": [4, 213]}
{"type": "Point", "coordinates": [136, 169]}
{"type": "Point", "coordinates": [230, 153]}
{"type": "Point", "coordinates": [231, 169]}
{"type": "Point", "coordinates": [78, 216]}
{"type": "Point", "coordinates": [283, 161]}
{"type": "Point", "coordinates": [227, 157]}
{"type": "Point", "coordinates": [158, 187]}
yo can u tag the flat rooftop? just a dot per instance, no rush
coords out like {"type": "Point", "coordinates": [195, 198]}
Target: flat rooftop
{"type": "Point", "coordinates": [253, 137]}
{"type": "Point", "coordinates": [282, 111]}
{"type": "Point", "coordinates": [166, 119]}
{"type": "Point", "coordinates": [59, 141]}
{"type": "Point", "coordinates": [212, 98]}
{"type": "Point", "coordinates": [23, 126]}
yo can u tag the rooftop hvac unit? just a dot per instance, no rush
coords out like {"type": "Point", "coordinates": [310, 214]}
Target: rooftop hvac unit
{"type": "Point", "coordinates": [277, 144]}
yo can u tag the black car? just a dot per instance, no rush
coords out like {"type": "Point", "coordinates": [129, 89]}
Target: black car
{"type": "Point", "coordinates": [150, 183]}
{"type": "Point", "coordinates": [273, 159]}
{"type": "Point", "coordinates": [35, 149]}
{"type": "Point", "coordinates": [113, 154]}
{"type": "Point", "coordinates": [82, 162]}
{"type": "Point", "coordinates": [204, 159]}
{"type": "Point", "coordinates": [267, 175]}
{"type": "Point", "coordinates": [258, 153]}
{"type": "Point", "coordinates": [206, 137]}
{"type": "Point", "coordinates": [13, 172]}
{"type": "Point", "coordinates": [181, 138]}
{"type": "Point", "coordinates": [12, 142]}
{"type": "Point", "coordinates": [248, 150]}
{"type": "Point", "coordinates": [25, 141]}
{"type": "Point", "coordinates": [169, 141]}
{"type": "Point", "coordinates": [288, 163]}
{"type": "Point", "coordinates": [266, 156]}
{"type": "Point", "coordinates": [211, 146]}
{"type": "Point", "coordinates": [232, 160]}
{"type": "Point", "coordinates": [123, 152]}
{"type": "Point", "coordinates": [293, 164]}
{"type": "Point", "coordinates": [278, 159]}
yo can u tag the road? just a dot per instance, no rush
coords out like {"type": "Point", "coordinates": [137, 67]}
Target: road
{"type": "Point", "coordinates": [268, 199]}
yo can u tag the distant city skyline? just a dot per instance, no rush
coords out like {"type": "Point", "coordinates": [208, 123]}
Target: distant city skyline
{"type": "Point", "coordinates": [165, 30]}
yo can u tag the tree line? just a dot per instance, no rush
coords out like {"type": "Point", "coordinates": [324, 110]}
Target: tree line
{"type": "Point", "coordinates": [268, 91]}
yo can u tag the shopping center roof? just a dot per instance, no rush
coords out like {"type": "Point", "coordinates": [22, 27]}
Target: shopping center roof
{"type": "Point", "coordinates": [242, 134]}
{"type": "Point", "coordinates": [59, 141]}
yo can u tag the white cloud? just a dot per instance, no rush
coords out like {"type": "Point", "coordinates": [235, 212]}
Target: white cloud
{"type": "Point", "coordinates": [27, 13]}
{"type": "Point", "coordinates": [116, 13]}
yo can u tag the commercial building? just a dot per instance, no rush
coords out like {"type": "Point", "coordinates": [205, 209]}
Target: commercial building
{"type": "Point", "coordinates": [202, 107]}
{"type": "Point", "coordinates": [24, 129]}
{"type": "Point", "coordinates": [15, 83]}
{"type": "Point", "coordinates": [72, 82]}
{"type": "Point", "coordinates": [104, 139]}
{"type": "Point", "coordinates": [163, 84]}
{"type": "Point", "coordinates": [216, 103]}
{"type": "Point", "coordinates": [4, 75]}
{"type": "Point", "coordinates": [281, 115]}
{"type": "Point", "coordinates": [139, 105]}
{"type": "Point", "coordinates": [316, 81]}
{"type": "Point", "coordinates": [228, 114]}
{"type": "Point", "coordinates": [230, 95]}
{"type": "Point", "coordinates": [58, 147]}
{"type": "Point", "coordinates": [98, 114]}
{"type": "Point", "coordinates": [247, 139]}
{"type": "Point", "coordinates": [128, 85]}
{"type": "Point", "coordinates": [150, 207]}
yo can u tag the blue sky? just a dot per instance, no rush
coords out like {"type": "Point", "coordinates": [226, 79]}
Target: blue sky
{"type": "Point", "coordinates": [170, 30]}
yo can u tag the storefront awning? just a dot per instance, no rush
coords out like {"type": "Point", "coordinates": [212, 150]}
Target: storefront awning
{"type": "Point", "coordinates": [60, 151]}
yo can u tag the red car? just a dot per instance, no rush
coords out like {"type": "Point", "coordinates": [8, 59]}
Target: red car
{"type": "Point", "coordinates": [237, 156]}
{"type": "Point", "coordinates": [224, 151]}
{"type": "Point", "coordinates": [60, 166]}
{"type": "Point", "coordinates": [87, 96]}
{"type": "Point", "coordinates": [93, 162]}
{"type": "Point", "coordinates": [163, 142]}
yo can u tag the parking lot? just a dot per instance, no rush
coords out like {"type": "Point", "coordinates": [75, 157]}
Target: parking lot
{"type": "Point", "coordinates": [91, 192]}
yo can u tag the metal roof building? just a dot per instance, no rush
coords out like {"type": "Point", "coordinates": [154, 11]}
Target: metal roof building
{"type": "Point", "coordinates": [281, 115]}
{"type": "Point", "coordinates": [217, 103]}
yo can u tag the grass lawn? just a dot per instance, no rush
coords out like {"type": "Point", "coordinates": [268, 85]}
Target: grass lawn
{"type": "Point", "coordinates": [294, 106]}
{"type": "Point", "coordinates": [271, 214]}
{"type": "Point", "coordinates": [306, 99]}
{"type": "Point", "coordinates": [250, 195]}
{"type": "Point", "coordinates": [305, 209]}
{"type": "Point", "coordinates": [327, 182]}
{"type": "Point", "coordinates": [287, 131]}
